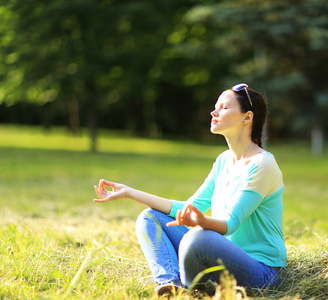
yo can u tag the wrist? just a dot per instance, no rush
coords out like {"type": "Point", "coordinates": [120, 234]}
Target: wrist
{"type": "Point", "coordinates": [129, 193]}
{"type": "Point", "coordinates": [203, 222]}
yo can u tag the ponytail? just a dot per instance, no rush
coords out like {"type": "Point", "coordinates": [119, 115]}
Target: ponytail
{"type": "Point", "coordinates": [259, 110]}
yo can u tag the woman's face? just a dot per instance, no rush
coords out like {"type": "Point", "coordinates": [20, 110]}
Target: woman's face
{"type": "Point", "coordinates": [227, 117]}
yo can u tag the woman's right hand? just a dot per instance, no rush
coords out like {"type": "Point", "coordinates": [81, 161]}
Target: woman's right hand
{"type": "Point", "coordinates": [119, 191]}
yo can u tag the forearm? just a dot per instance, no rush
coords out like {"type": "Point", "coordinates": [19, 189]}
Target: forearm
{"type": "Point", "coordinates": [219, 226]}
{"type": "Point", "coordinates": [162, 204]}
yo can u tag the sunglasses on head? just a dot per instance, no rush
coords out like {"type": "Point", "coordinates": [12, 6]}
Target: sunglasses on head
{"type": "Point", "coordinates": [242, 86]}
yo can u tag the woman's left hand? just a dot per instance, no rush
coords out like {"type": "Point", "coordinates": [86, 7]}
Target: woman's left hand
{"type": "Point", "coordinates": [188, 216]}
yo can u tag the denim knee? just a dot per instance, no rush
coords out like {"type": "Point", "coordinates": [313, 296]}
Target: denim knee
{"type": "Point", "coordinates": [143, 216]}
{"type": "Point", "coordinates": [192, 245]}
{"type": "Point", "coordinates": [191, 240]}
{"type": "Point", "coordinates": [145, 213]}
{"type": "Point", "coordinates": [191, 255]}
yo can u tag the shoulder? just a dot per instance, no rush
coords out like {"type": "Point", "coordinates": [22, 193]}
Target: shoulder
{"type": "Point", "coordinates": [223, 158]}
{"type": "Point", "coordinates": [264, 175]}
{"type": "Point", "coordinates": [266, 159]}
{"type": "Point", "coordinates": [220, 162]}
{"type": "Point", "coordinates": [224, 155]}
{"type": "Point", "coordinates": [265, 162]}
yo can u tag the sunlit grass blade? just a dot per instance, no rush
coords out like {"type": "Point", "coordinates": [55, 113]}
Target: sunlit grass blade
{"type": "Point", "coordinates": [204, 272]}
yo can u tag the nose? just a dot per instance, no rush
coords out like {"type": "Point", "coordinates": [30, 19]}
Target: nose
{"type": "Point", "coordinates": [214, 113]}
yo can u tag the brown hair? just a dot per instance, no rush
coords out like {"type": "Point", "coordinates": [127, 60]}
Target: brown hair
{"type": "Point", "coordinates": [259, 110]}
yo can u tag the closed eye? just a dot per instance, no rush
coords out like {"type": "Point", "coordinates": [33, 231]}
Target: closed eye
{"type": "Point", "coordinates": [222, 106]}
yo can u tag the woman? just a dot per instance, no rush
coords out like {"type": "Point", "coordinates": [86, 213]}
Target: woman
{"type": "Point", "coordinates": [244, 192]}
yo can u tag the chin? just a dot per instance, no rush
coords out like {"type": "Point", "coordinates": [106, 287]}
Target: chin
{"type": "Point", "coordinates": [214, 130]}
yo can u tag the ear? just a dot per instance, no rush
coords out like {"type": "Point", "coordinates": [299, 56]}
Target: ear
{"type": "Point", "coordinates": [248, 117]}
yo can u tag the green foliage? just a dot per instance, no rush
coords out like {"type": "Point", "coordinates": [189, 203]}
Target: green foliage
{"type": "Point", "coordinates": [138, 66]}
{"type": "Point", "coordinates": [280, 48]}
{"type": "Point", "coordinates": [91, 56]}
{"type": "Point", "coordinates": [56, 243]}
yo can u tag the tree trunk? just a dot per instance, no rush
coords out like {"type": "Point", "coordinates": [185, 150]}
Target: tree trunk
{"type": "Point", "coordinates": [151, 129]}
{"type": "Point", "coordinates": [91, 101]}
{"type": "Point", "coordinates": [74, 119]}
{"type": "Point", "coordinates": [317, 141]}
{"type": "Point", "coordinates": [45, 116]}
{"type": "Point", "coordinates": [92, 120]}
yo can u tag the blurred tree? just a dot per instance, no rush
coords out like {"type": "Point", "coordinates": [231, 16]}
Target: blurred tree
{"type": "Point", "coordinates": [91, 55]}
{"type": "Point", "coordinates": [57, 48]}
{"type": "Point", "coordinates": [281, 48]}
{"type": "Point", "coordinates": [156, 68]}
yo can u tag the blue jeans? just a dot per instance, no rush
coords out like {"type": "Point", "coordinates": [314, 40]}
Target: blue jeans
{"type": "Point", "coordinates": [177, 254]}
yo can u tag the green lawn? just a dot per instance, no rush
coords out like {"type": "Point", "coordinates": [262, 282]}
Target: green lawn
{"type": "Point", "coordinates": [56, 243]}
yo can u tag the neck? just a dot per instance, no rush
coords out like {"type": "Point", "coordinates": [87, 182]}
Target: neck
{"type": "Point", "coordinates": [240, 147]}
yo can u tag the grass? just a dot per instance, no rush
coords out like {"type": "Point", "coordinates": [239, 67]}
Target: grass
{"type": "Point", "coordinates": [55, 243]}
